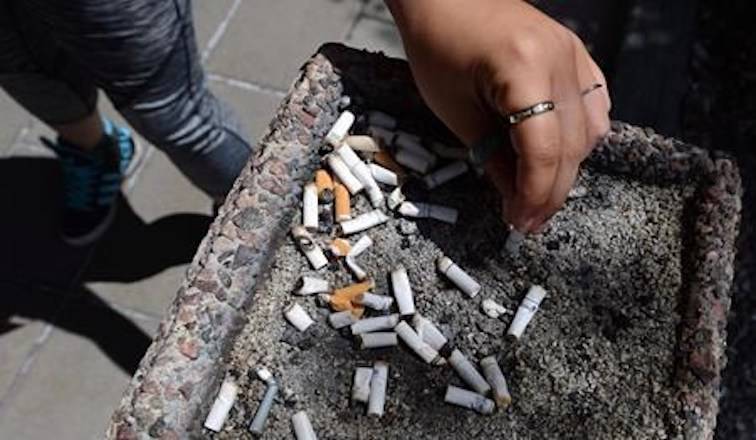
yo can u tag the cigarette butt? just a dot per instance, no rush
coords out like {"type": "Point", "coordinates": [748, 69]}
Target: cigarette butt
{"type": "Point", "coordinates": [346, 177]}
{"type": "Point", "coordinates": [384, 159]}
{"type": "Point", "coordinates": [257, 426]}
{"type": "Point", "coordinates": [452, 153]}
{"type": "Point", "coordinates": [396, 198]}
{"type": "Point", "coordinates": [342, 298]}
{"type": "Point", "coordinates": [428, 332]}
{"type": "Point", "coordinates": [340, 247]}
{"type": "Point", "coordinates": [384, 175]}
{"type": "Point", "coordinates": [363, 143]}
{"type": "Point", "coordinates": [468, 399]}
{"type": "Point", "coordinates": [340, 128]}
{"type": "Point", "coordinates": [307, 245]}
{"type": "Point", "coordinates": [361, 384]}
{"type": "Point", "coordinates": [265, 375]}
{"type": "Point", "coordinates": [310, 207]}
{"type": "Point", "coordinates": [342, 319]}
{"type": "Point", "coordinates": [302, 427]}
{"type": "Point", "coordinates": [357, 270]}
{"type": "Point", "coordinates": [384, 136]}
{"type": "Point", "coordinates": [323, 181]}
{"type": "Point", "coordinates": [496, 379]}
{"type": "Point", "coordinates": [413, 161]}
{"type": "Point", "coordinates": [402, 291]}
{"type": "Point", "coordinates": [381, 119]}
{"type": "Point", "coordinates": [378, 382]}
{"type": "Point", "coordinates": [416, 344]}
{"type": "Point", "coordinates": [343, 204]}
{"type": "Point", "coordinates": [525, 312]}
{"type": "Point", "coordinates": [363, 222]}
{"type": "Point", "coordinates": [361, 171]}
{"type": "Point", "coordinates": [373, 301]}
{"type": "Point", "coordinates": [361, 246]}
{"type": "Point", "coordinates": [298, 317]}
{"type": "Point", "coordinates": [467, 372]}
{"type": "Point", "coordinates": [377, 340]}
{"type": "Point", "coordinates": [222, 405]}
{"type": "Point", "coordinates": [427, 210]}
{"type": "Point", "coordinates": [378, 323]}
{"type": "Point", "coordinates": [445, 174]}
{"type": "Point", "coordinates": [308, 285]}
{"type": "Point", "coordinates": [459, 277]}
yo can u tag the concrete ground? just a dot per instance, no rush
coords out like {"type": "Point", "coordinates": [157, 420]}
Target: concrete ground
{"type": "Point", "coordinates": [74, 323]}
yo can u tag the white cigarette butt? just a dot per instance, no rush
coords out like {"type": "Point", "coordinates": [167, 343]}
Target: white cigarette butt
{"type": "Point", "coordinates": [525, 312]}
{"type": "Point", "coordinates": [375, 302]}
{"type": "Point", "coordinates": [384, 175]}
{"type": "Point", "coordinates": [310, 207]}
{"type": "Point", "coordinates": [402, 291]}
{"type": "Point", "coordinates": [360, 246]}
{"type": "Point", "coordinates": [342, 319]}
{"type": "Point", "coordinates": [459, 277]}
{"type": "Point", "coordinates": [496, 379]}
{"type": "Point", "coordinates": [357, 270]}
{"type": "Point", "coordinates": [361, 384]}
{"type": "Point", "coordinates": [222, 405]}
{"type": "Point", "coordinates": [428, 331]}
{"type": "Point", "coordinates": [307, 245]}
{"type": "Point", "coordinates": [396, 198]}
{"type": "Point", "coordinates": [447, 152]}
{"type": "Point", "coordinates": [427, 210]}
{"type": "Point", "coordinates": [411, 143]}
{"type": "Point", "coordinates": [381, 119]}
{"type": "Point", "coordinates": [342, 171]}
{"type": "Point", "coordinates": [302, 427]}
{"type": "Point", "coordinates": [413, 161]}
{"type": "Point", "coordinates": [361, 171]}
{"type": "Point", "coordinates": [340, 128]}
{"type": "Point", "coordinates": [377, 340]}
{"type": "Point", "coordinates": [468, 399]}
{"type": "Point", "coordinates": [264, 375]}
{"type": "Point", "coordinates": [378, 382]}
{"type": "Point", "coordinates": [363, 222]}
{"type": "Point", "coordinates": [363, 143]}
{"type": "Point", "coordinates": [468, 373]}
{"type": "Point", "coordinates": [445, 174]}
{"type": "Point", "coordinates": [383, 135]}
{"type": "Point", "coordinates": [369, 325]}
{"type": "Point", "coordinates": [298, 317]}
{"type": "Point", "coordinates": [416, 344]}
{"type": "Point", "coordinates": [311, 285]}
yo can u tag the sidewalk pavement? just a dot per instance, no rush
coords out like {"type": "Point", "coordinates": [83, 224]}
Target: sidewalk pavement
{"type": "Point", "coordinates": [73, 323]}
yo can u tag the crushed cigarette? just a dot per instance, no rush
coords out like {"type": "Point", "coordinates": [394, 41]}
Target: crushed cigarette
{"type": "Point", "coordinates": [342, 204]}
{"type": "Point", "coordinates": [341, 170]}
{"type": "Point", "coordinates": [492, 309]}
{"type": "Point", "coordinates": [375, 302]}
{"type": "Point", "coordinates": [396, 198]}
{"type": "Point", "coordinates": [416, 344]}
{"type": "Point", "coordinates": [381, 119]}
{"type": "Point", "coordinates": [377, 340]}
{"type": "Point", "coordinates": [468, 399]}
{"type": "Point", "coordinates": [468, 373]}
{"type": "Point", "coordinates": [257, 425]}
{"type": "Point", "coordinates": [340, 129]}
{"type": "Point", "coordinates": [310, 207]}
{"type": "Point", "coordinates": [363, 222]}
{"type": "Point", "coordinates": [452, 153]}
{"type": "Point", "coordinates": [384, 175]}
{"type": "Point", "coordinates": [343, 298]}
{"type": "Point", "coordinates": [351, 260]}
{"type": "Point", "coordinates": [496, 379]}
{"type": "Point", "coordinates": [429, 333]}
{"type": "Point", "coordinates": [340, 247]}
{"type": "Point", "coordinates": [369, 325]}
{"type": "Point", "coordinates": [222, 405]}
{"type": "Point", "coordinates": [445, 174]}
{"type": "Point", "coordinates": [525, 312]}
{"type": "Point", "coordinates": [427, 210]}
{"type": "Point", "coordinates": [361, 171]}
{"type": "Point", "coordinates": [361, 384]}
{"type": "Point", "coordinates": [363, 143]}
{"type": "Point", "coordinates": [402, 291]}
{"type": "Point", "coordinates": [298, 317]}
{"type": "Point", "coordinates": [357, 270]}
{"type": "Point", "coordinates": [459, 277]}
{"type": "Point", "coordinates": [302, 427]}
{"type": "Point", "coordinates": [323, 181]}
{"type": "Point", "coordinates": [311, 285]}
{"type": "Point", "coordinates": [342, 319]}
{"type": "Point", "coordinates": [307, 245]}
{"type": "Point", "coordinates": [378, 382]}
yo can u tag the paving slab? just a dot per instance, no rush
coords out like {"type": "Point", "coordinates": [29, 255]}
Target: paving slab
{"type": "Point", "coordinates": [16, 342]}
{"type": "Point", "coordinates": [207, 16]}
{"type": "Point", "coordinates": [268, 39]}
{"type": "Point", "coordinates": [377, 9]}
{"type": "Point", "coordinates": [377, 35]}
{"type": "Point", "coordinates": [255, 109]}
{"type": "Point", "coordinates": [12, 119]}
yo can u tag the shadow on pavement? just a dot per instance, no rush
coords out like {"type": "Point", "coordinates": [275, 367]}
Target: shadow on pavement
{"type": "Point", "coordinates": [42, 278]}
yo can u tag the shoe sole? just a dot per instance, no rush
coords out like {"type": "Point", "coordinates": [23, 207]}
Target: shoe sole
{"type": "Point", "coordinates": [99, 230]}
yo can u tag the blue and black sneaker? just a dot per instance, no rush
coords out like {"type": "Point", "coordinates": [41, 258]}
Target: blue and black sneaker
{"type": "Point", "coordinates": [92, 182]}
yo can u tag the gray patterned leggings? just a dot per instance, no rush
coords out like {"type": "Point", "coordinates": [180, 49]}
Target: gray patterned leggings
{"type": "Point", "coordinates": [54, 55]}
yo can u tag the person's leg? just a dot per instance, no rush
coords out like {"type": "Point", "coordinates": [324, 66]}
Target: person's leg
{"type": "Point", "coordinates": [143, 55]}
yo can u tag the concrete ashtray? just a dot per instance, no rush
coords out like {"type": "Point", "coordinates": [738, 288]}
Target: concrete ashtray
{"type": "Point", "coordinates": [632, 286]}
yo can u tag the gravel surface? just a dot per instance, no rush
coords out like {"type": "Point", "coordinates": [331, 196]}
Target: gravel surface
{"type": "Point", "coordinates": [596, 362]}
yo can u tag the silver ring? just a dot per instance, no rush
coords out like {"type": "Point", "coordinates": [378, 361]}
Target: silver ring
{"type": "Point", "coordinates": [515, 118]}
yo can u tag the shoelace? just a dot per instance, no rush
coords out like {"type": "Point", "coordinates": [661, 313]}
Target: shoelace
{"type": "Point", "coordinates": [88, 185]}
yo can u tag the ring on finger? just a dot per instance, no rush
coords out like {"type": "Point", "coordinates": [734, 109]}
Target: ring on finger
{"type": "Point", "coordinates": [540, 108]}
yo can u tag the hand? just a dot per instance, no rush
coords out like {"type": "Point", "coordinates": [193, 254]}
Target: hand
{"type": "Point", "coordinates": [475, 62]}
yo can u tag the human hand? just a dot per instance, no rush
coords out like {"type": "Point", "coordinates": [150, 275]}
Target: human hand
{"type": "Point", "coordinates": [476, 62]}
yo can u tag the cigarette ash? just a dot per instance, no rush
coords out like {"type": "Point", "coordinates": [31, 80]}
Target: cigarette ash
{"type": "Point", "coordinates": [597, 361]}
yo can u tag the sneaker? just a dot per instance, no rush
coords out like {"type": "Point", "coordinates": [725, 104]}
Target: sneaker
{"type": "Point", "coordinates": [92, 182]}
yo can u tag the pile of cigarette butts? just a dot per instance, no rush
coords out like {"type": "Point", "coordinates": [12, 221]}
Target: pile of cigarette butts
{"type": "Point", "coordinates": [388, 155]}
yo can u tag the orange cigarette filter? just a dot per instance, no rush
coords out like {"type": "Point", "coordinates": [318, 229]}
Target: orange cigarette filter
{"type": "Point", "coordinates": [384, 159]}
{"type": "Point", "coordinates": [340, 247]}
{"type": "Point", "coordinates": [342, 298]}
{"type": "Point", "coordinates": [342, 204]}
{"type": "Point", "coordinates": [323, 181]}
